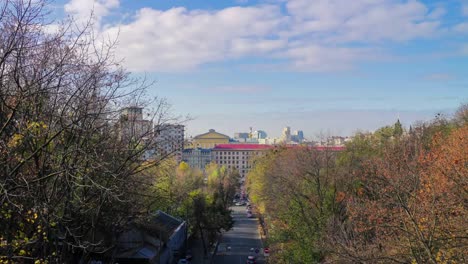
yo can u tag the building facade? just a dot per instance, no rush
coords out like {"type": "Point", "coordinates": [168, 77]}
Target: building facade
{"type": "Point", "coordinates": [298, 136]}
{"type": "Point", "coordinates": [169, 140]}
{"type": "Point", "coordinates": [259, 134]}
{"type": "Point", "coordinates": [197, 157]}
{"type": "Point", "coordinates": [238, 156]}
{"type": "Point", "coordinates": [131, 124]}
{"type": "Point", "coordinates": [286, 135]}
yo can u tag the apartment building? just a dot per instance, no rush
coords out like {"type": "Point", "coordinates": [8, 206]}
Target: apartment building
{"type": "Point", "coordinates": [238, 156]}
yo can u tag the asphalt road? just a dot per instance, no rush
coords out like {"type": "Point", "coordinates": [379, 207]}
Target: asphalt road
{"type": "Point", "coordinates": [242, 238]}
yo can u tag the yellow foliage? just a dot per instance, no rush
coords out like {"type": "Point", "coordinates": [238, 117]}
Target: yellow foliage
{"type": "Point", "coordinates": [15, 140]}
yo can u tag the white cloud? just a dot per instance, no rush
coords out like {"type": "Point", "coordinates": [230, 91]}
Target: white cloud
{"type": "Point", "coordinates": [82, 9]}
{"type": "Point", "coordinates": [311, 35]}
{"type": "Point", "coordinates": [179, 39]}
{"type": "Point", "coordinates": [362, 20]}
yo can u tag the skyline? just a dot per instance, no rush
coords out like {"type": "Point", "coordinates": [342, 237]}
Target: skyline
{"type": "Point", "coordinates": [335, 66]}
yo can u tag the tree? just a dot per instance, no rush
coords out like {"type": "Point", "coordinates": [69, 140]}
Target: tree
{"type": "Point", "coordinates": [295, 191]}
{"type": "Point", "coordinates": [461, 115]}
{"type": "Point", "coordinates": [411, 206]}
{"type": "Point", "coordinates": [397, 129]}
{"type": "Point", "coordinates": [69, 182]}
{"type": "Point", "coordinates": [222, 183]}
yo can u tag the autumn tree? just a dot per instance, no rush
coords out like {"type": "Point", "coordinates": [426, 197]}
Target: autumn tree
{"type": "Point", "coordinates": [68, 179]}
{"type": "Point", "coordinates": [294, 189]}
{"type": "Point", "coordinates": [410, 204]}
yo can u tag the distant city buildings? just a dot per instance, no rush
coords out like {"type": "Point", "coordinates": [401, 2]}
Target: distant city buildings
{"type": "Point", "coordinates": [243, 136]}
{"type": "Point", "coordinates": [297, 136]}
{"type": "Point", "coordinates": [259, 134]}
{"type": "Point", "coordinates": [269, 141]}
{"type": "Point", "coordinates": [337, 141]}
{"type": "Point", "coordinates": [239, 152]}
{"type": "Point", "coordinates": [286, 135]}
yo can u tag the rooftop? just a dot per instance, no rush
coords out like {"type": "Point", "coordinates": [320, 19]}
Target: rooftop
{"type": "Point", "coordinates": [242, 147]}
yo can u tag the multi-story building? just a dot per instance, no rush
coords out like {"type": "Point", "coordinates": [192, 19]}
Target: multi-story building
{"type": "Point", "coordinates": [286, 135]}
{"type": "Point", "coordinates": [269, 141]}
{"type": "Point", "coordinates": [169, 140]}
{"type": "Point", "coordinates": [238, 156]}
{"type": "Point", "coordinates": [132, 126]}
{"type": "Point", "coordinates": [297, 136]}
{"type": "Point", "coordinates": [337, 141]}
{"type": "Point", "coordinates": [209, 140]}
{"type": "Point", "coordinates": [241, 136]}
{"type": "Point", "coordinates": [197, 157]}
{"type": "Point", "coordinates": [259, 134]}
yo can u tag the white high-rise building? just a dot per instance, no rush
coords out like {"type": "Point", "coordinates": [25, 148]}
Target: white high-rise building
{"type": "Point", "coordinates": [259, 134]}
{"type": "Point", "coordinates": [169, 140]}
{"type": "Point", "coordinates": [286, 135]}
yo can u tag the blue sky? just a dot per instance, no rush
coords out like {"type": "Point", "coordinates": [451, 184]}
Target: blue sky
{"type": "Point", "coordinates": [322, 66]}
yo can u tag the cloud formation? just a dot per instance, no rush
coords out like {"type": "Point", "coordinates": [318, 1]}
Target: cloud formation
{"type": "Point", "coordinates": [361, 20]}
{"type": "Point", "coordinates": [180, 39]}
{"type": "Point", "coordinates": [302, 35]}
{"type": "Point", "coordinates": [83, 9]}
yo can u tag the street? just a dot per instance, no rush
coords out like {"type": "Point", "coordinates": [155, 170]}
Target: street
{"type": "Point", "coordinates": [241, 239]}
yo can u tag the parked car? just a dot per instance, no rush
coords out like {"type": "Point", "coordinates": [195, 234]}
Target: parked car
{"type": "Point", "coordinates": [251, 260]}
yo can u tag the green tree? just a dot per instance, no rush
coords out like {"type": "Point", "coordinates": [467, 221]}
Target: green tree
{"type": "Point", "coordinates": [397, 129]}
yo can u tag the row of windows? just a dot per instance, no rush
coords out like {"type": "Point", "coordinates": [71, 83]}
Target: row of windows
{"type": "Point", "coordinates": [230, 158]}
{"type": "Point", "coordinates": [229, 162]}
{"type": "Point", "coordinates": [221, 153]}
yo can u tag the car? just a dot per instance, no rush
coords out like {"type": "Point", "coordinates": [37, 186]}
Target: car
{"type": "Point", "coordinates": [240, 203]}
{"type": "Point", "coordinates": [182, 261]}
{"type": "Point", "coordinates": [249, 214]}
{"type": "Point", "coordinates": [251, 260]}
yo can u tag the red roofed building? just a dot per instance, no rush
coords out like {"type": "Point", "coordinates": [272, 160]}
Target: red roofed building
{"type": "Point", "coordinates": [238, 156]}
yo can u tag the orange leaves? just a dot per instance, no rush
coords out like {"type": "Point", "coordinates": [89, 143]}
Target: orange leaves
{"type": "Point", "coordinates": [418, 196]}
{"type": "Point", "coordinates": [340, 196]}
